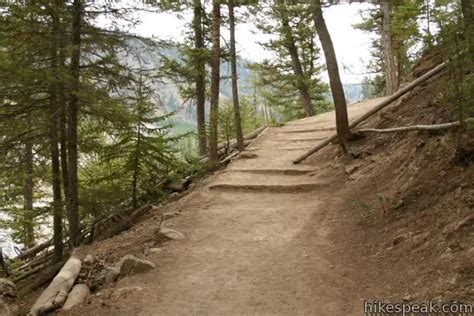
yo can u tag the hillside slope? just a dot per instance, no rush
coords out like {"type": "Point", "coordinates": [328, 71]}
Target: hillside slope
{"type": "Point", "coordinates": [265, 236]}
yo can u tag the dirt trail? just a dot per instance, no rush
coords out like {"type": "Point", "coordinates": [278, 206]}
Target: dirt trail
{"type": "Point", "coordinates": [257, 239]}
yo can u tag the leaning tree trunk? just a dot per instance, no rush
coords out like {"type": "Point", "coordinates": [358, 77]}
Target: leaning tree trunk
{"type": "Point", "coordinates": [342, 121]}
{"type": "Point", "coordinates": [389, 56]}
{"type": "Point", "coordinates": [200, 64]}
{"type": "Point", "coordinates": [54, 110]}
{"type": "Point", "coordinates": [235, 90]}
{"type": "Point", "coordinates": [73, 200]}
{"type": "Point", "coordinates": [296, 63]}
{"type": "Point", "coordinates": [215, 80]}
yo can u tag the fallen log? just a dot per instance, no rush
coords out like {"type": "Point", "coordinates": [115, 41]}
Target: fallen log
{"type": "Point", "coordinates": [56, 293]}
{"type": "Point", "coordinates": [77, 296]}
{"type": "Point", "coordinates": [28, 253]}
{"type": "Point", "coordinates": [124, 223]}
{"type": "Point", "coordinates": [223, 147]}
{"type": "Point", "coordinates": [35, 261]}
{"type": "Point", "coordinates": [434, 127]}
{"type": "Point", "coordinates": [379, 107]}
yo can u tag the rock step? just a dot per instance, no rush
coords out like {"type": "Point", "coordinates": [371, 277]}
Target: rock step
{"type": "Point", "coordinates": [275, 188]}
{"type": "Point", "coordinates": [285, 172]}
{"type": "Point", "coordinates": [313, 139]}
{"type": "Point", "coordinates": [302, 131]}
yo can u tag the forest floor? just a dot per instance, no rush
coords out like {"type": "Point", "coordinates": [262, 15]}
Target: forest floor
{"type": "Point", "coordinates": [265, 236]}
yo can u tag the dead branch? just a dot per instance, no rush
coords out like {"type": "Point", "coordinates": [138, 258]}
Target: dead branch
{"type": "Point", "coordinates": [433, 127]}
{"type": "Point", "coordinates": [28, 253]}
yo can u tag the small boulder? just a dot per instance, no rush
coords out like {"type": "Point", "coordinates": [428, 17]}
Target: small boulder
{"type": "Point", "coordinates": [165, 234]}
{"type": "Point", "coordinates": [169, 215]}
{"type": "Point", "coordinates": [130, 265]}
{"type": "Point", "coordinates": [7, 288]}
{"type": "Point", "coordinates": [111, 274]}
{"type": "Point", "coordinates": [155, 250]}
{"type": "Point", "coordinates": [8, 309]}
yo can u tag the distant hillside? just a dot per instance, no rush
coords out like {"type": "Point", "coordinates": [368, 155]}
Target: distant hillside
{"type": "Point", "coordinates": [185, 115]}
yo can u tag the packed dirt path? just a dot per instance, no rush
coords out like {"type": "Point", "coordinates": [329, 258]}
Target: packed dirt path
{"type": "Point", "coordinates": [257, 239]}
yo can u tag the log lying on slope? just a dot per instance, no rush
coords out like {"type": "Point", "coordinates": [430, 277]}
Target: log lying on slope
{"type": "Point", "coordinates": [223, 147]}
{"type": "Point", "coordinates": [56, 293]}
{"type": "Point", "coordinates": [434, 127]}
{"type": "Point", "coordinates": [28, 253]}
{"type": "Point", "coordinates": [382, 105]}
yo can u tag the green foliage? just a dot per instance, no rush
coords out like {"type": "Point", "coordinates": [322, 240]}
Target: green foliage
{"type": "Point", "coordinates": [251, 119]}
{"type": "Point", "coordinates": [125, 150]}
{"type": "Point", "coordinates": [406, 36]}
{"type": "Point", "coordinates": [276, 78]}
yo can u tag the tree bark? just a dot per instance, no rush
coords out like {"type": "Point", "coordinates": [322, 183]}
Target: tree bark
{"type": "Point", "coordinates": [296, 63]}
{"type": "Point", "coordinates": [390, 60]}
{"type": "Point", "coordinates": [215, 80]}
{"type": "Point", "coordinates": [235, 89]}
{"type": "Point", "coordinates": [54, 110]}
{"type": "Point", "coordinates": [200, 83]}
{"type": "Point", "coordinates": [73, 199]}
{"type": "Point", "coordinates": [136, 170]}
{"type": "Point", "coordinates": [29, 238]}
{"type": "Point", "coordinates": [468, 17]}
{"type": "Point", "coordinates": [63, 117]}
{"type": "Point", "coordinates": [342, 121]}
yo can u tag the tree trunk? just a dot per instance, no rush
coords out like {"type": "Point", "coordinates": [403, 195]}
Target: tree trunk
{"type": "Point", "coordinates": [29, 238]}
{"type": "Point", "coordinates": [136, 171]}
{"type": "Point", "coordinates": [215, 80]}
{"type": "Point", "coordinates": [235, 90]}
{"type": "Point", "coordinates": [73, 200]}
{"type": "Point", "coordinates": [296, 63]}
{"type": "Point", "coordinates": [54, 110]}
{"type": "Point", "coordinates": [342, 121]}
{"type": "Point", "coordinates": [391, 70]}
{"type": "Point", "coordinates": [63, 117]}
{"type": "Point", "coordinates": [468, 16]}
{"type": "Point", "coordinates": [200, 65]}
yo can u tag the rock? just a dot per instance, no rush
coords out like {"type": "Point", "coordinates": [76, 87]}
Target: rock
{"type": "Point", "coordinates": [155, 250]}
{"type": "Point", "coordinates": [177, 185]}
{"type": "Point", "coordinates": [169, 215]}
{"type": "Point", "coordinates": [7, 288]}
{"type": "Point", "coordinates": [407, 298]}
{"type": "Point", "coordinates": [7, 309]}
{"type": "Point", "coordinates": [130, 265]}
{"type": "Point", "coordinates": [77, 296]}
{"type": "Point", "coordinates": [247, 155]}
{"type": "Point", "coordinates": [124, 291]}
{"type": "Point", "coordinates": [147, 246]}
{"type": "Point", "coordinates": [111, 274]}
{"type": "Point", "coordinates": [351, 169]}
{"type": "Point", "coordinates": [165, 234]}
{"type": "Point", "coordinates": [89, 259]}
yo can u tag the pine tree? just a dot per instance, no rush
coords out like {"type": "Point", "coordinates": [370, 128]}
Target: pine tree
{"type": "Point", "coordinates": [290, 82]}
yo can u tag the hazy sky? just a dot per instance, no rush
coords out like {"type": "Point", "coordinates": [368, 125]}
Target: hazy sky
{"type": "Point", "coordinates": [352, 46]}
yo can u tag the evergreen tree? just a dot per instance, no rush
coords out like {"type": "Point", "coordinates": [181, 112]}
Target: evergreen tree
{"type": "Point", "coordinates": [290, 82]}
